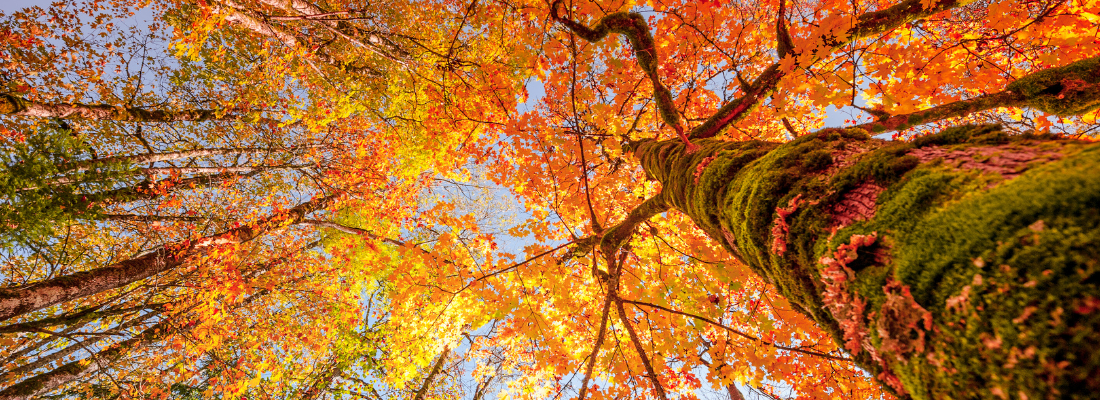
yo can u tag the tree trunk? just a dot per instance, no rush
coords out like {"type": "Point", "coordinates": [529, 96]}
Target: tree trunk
{"type": "Point", "coordinates": [962, 265]}
{"type": "Point", "coordinates": [20, 107]}
{"type": "Point", "coordinates": [21, 300]}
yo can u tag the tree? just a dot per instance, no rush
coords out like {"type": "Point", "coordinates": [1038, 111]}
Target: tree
{"type": "Point", "coordinates": [170, 225]}
{"type": "Point", "coordinates": [689, 219]}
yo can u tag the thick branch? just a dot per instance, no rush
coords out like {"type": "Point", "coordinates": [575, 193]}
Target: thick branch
{"type": "Point", "coordinates": [1072, 89]}
{"type": "Point", "coordinates": [617, 235]}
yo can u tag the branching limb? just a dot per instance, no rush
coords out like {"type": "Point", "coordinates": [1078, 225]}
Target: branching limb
{"type": "Point", "coordinates": [632, 25]}
{"type": "Point", "coordinates": [866, 24]}
{"type": "Point", "coordinates": [617, 235]}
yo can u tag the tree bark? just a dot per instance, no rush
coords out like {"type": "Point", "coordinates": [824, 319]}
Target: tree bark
{"type": "Point", "coordinates": [378, 44]}
{"type": "Point", "coordinates": [20, 107]}
{"type": "Point", "coordinates": [246, 19]}
{"type": "Point", "coordinates": [41, 384]}
{"type": "Point", "coordinates": [423, 391]}
{"type": "Point", "coordinates": [18, 301]}
{"type": "Point", "coordinates": [962, 265]}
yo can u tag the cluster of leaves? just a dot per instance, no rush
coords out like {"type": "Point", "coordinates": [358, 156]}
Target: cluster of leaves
{"type": "Point", "coordinates": [34, 203]}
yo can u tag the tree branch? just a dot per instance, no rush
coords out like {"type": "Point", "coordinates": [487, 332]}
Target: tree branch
{"type": "Point", "coordinates": [431, 375]}
{"type": "Point", "coordinates": [867, 24]}
{"type": "Point", "coordinates": [634, 27]}
{"type": "Point", "coordinates": [1072, 89]}
{"type": "Point", "coordinates": [652, 374]}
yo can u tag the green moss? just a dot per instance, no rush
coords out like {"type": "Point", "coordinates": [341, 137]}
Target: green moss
{"type": "Point", "coordinates": [943, 228]}
{"type": "Point", "coordinates": [961, 134]}
{"type": "Point", "coordinates": [882, 166]}
{"type": "Point", "coordinates": [933, 221]}
{"type": "Point", "coordinates": [1064, 91]}
{"type": "Point", "coordinates": [817, 160]}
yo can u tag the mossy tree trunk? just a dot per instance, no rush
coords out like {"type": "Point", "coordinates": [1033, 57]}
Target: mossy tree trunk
{"type": "Point", "coordinates": [962, 265]}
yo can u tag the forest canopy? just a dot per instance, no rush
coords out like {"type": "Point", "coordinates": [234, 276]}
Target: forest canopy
{"type": "Point", "coordinates": [764, 199]}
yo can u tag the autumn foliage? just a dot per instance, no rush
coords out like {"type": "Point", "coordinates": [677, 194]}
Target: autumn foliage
{"type": "Point", "coordinates": [478, 199]}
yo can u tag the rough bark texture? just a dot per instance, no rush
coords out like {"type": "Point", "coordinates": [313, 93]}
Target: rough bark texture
{"type": "Point", "coordinates": [962, 265]}
{"type": "Point", "coordinates": [20, 107]}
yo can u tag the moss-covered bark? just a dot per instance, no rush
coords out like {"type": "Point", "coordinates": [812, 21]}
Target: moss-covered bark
{"type": "Point", "coordinates": [962, 265]}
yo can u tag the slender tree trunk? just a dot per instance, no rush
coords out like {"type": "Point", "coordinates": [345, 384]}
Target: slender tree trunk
{"type": "Point", "coordinates": [79, 317]}
{"type": "Point", "coordinates": [41, 384]}
{"type": "Point", "coordinates": [432, 374]}
{"type": "Point", "coordinates": [961, 265]}
{"type": "Point", "coordinates": [206, 171]}
{"type": "Point", "coordinates": [148, 189]}
{"type": "Point", "coordinates": [74, 348]}
{"type": "Point", "coordinates": [18, 301]}
{"type": "Point", "coordinates": [241, 16]}
{"type": "Point", "coordinates": [85, 165]}
{"type": "Point", "coordinates": [44, 383]}
{"type": "Point", "coordinates": [379, 44]}
{"type": "Point", "coordinates": [20, 107]}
